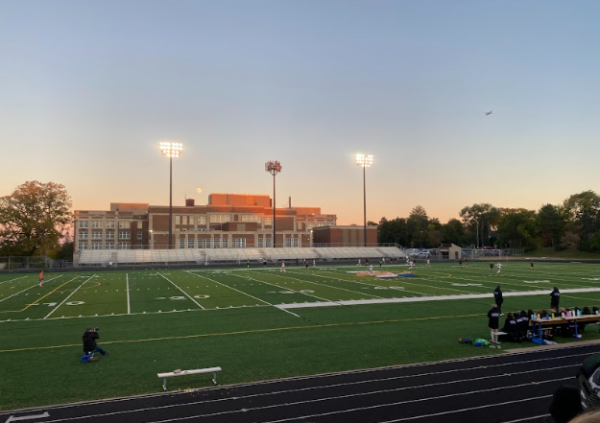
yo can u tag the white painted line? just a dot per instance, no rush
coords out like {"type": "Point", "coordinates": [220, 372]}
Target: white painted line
{"type": "Point", "coordinates": [184, 293]}
{"type": "Point", "coordinates": [69, 296]}
{"type": "Point", "coordinates": [30, 417]}
{"type": "Point", "coordinates": [541, 416]}
{"type": "Point", "coordinates": [127, 288]}
{"type": "Point", "coordinates": [27, 289]}
{"type": "Point", "coordinates": [11, 280]}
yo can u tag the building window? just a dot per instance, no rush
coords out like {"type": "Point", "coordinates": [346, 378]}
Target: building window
{"type": "Point", "coordinates": [110, 245]}
{"type": "Point", "coordinates": [110, 235]}
{"type": "Point", "coordinates": [178, 220]}
{"type": "Point", "coordinates": [208, 243]}
{"type": "Point", "coordinates": [202, 220]}
{"type": "Point", "coordinates": [140, 224]}
{"type": "Point", "coordinates": [83, 235]}
{"type": "Point", "coordinates": [268, 242]}
{"type": "Point", "coordinates": [249, 218]}
{"type": "Point", "coordinates": [225, 243]}
{"type": "Point", "coordinates": [200, 243]}
{"type": "Point", "coordinates": [191, 242]}
{"type": "Point", "coordinates": [140, 246]}
{"type": "Point", "coordinates": [96, 235]}
{"type": "Point", "coordinates": [109, 224]}
{"type": "Point", "coordinates": [225, 218]}
{"type": "Point", "coordinates": [139, 235]}
{"type": "Point", "coordinates": [124, 225]}
{"type": "Point", "coordinates": [83, 245]}
{"type": "Point", "coordinates": [242, 243]}
{"type": "Point", "coordinates": [184, 220]}
{"type": "Point", "coordinates": [83, 224]}
{"type": "Point", "coordinates": [181, 243]}
{"type": "Point", "coordinates": [96, 245]}
{"type": "Point", "coordinates": [288, 242]}
{"type": "Point", "coordinates": [124, 235]}
{"type": "Point", "coordinates": [123, 246]}
{"type": "Point", "coordinates": [268, 221]}
{"type": "Point", "coordinates": [296, 243]}
{"type": "Point", "coordinates": [260, 242]}
{"type": "Point", "coordinates": [96, 223]}
{"type": "Point", "coordinates": [217, 243]}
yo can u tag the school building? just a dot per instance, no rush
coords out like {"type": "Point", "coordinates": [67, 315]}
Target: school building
{"type": "Point", "coordinates": [227, 221]}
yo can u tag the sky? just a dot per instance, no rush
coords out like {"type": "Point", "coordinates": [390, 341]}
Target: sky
{"type": "Point", "coordinates": [89, 89]}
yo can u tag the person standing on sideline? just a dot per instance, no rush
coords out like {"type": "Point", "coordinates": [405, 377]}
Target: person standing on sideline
{"type": "Point", "coordinates": [282, 270]}
{"type": "Point", "coordinates": [89, 342]}
{"type": "Point", "coordinates": [491, 268]}
{"type": "Point", "coordinates": [41, 278]}
{"type": "Point", "coordinates": [498, 299]}
{"type": "Point", "coordinates": [555, 299]}
{"type": "Point", "coordinates": [493, 323]}
{"type": "Point", "coordinates": [499, 266]}
{"type": "Point", "coordinates": [531, 266]}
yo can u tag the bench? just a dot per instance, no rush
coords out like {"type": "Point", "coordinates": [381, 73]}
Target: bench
{"type": "Point", "coordinates": [538, 325]}
{"type": "Point", "coordinates": [212, 370]}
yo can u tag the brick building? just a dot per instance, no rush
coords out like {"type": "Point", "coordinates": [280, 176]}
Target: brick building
{"type": "Point", "coordinates": [346, 236]}
{"type": "Point", "coordinates": [227, 221]}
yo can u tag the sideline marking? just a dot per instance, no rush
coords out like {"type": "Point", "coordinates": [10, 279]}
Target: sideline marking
{"type": "Point", "coordinates": [51, 292]}
{"type": "Point", "coordinates": [127, 288]}
{"type": "Point", "coordinates": [26, 289]}
{"type": "Point", "coordinates": [32, 416]}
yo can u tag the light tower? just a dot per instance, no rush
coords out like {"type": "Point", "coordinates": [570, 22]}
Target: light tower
{"type": "Point", "coordinates": [171, 149]}
{"type": "Point", "coordinates": [273, 167]}
{"type": "Point", "coordinates": [364, 161]}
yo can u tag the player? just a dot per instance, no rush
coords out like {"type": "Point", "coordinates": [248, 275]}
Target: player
{"type": "Point", "coordinates": [371, 269]}
{"type": "Point", "coordinates": [460, 264]}
{"type": "Point", "coordinates": [282, 270]}
{"type": "Point", "coordinates": [494, 323]}
{"type": "Point", "coordinates": [499, 266]}
{"type": "Point", "coordinates": [428, 263]}
{"type": "Point", "coordinates": [358, 264]}
{"type": "Point", "coordinates": [314, 263]}
{"type": "Point", "coordinates": [41, 278]}
{"type": "Point", "coordinates": [498, 298]}
{"type": "Point", "coordinates": [555, 298]}
{"type": "Point", "coordinates": [305, 264]}
{"type": "Point", "coordinates": [531, 266]}
{"type": "Point", "coordinates": [491, 268]}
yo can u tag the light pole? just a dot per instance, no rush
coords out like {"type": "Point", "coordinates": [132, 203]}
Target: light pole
{"type": "Point", "coordinates": [273, 167]}
{"type": "Point", "coordinates": [171, 149]}
{"type": "Point", "coordinates": [364, 161]}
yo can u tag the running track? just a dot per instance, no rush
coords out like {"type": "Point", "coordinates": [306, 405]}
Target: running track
{"type": "Point", "coordinates": [505, 388]}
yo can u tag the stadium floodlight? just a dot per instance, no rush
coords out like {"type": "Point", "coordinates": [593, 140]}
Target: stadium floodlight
{"type": "Point", "coordinates": [273, 167]}
{"type": "Point", "coordinates": [364, 161]}
{"type": "Point", "coordinates": [171, 149]}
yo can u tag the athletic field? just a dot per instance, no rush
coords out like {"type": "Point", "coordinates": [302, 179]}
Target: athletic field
{"type": "Point", "coordinates": [256, 323]}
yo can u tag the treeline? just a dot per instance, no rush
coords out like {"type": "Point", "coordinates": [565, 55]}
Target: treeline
{"type": "Point", "coordinates": [573, 224]}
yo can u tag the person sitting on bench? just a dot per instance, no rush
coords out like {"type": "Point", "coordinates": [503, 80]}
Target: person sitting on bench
{"type": "Point", "coordinates": [511, 328]}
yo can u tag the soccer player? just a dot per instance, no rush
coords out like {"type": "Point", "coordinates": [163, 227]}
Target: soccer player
{"type": "Point", "coordinates": [428, 263]}
{"type": "Point", "coordinates": [41, 278]}
{"type": "Point", "coordinates": [494, 323]}
{"type": "Point", "coordinates": [282, 270]}
{"type": "Point", "coordinates": [491, 268]}
{"type": "Point", "coordinates": [531, 266]}
{"type": "Point", "coordinates": [555, 298]}
{"type": "Point", "coordinates": [371, 269]}
{"type": "Point", "coordinates": [358, 264]}
{"type": "Point", "coordinates": [499, 266]}
{"type": "Point", "coordinates": [498, 299]}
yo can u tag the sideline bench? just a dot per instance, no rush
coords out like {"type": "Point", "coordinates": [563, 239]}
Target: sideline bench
{"type": "Point", "coordinates": [538, 325]}
{"type": "Point", "coordinates": [212, 370]}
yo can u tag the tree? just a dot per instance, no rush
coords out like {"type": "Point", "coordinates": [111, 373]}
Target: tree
{"type": "Point", "coordinates": [454, 232]}
{"type": "Point", "coordinates": [551, 221]}
{"type": "Point", "coordinates": [33, 218]}
{"type": "Point", "coordinates": [481, 219]}
{"type": "Point", "coordinates": [518, 228]}
{"type": "Point", "coordinates": [583, 210]}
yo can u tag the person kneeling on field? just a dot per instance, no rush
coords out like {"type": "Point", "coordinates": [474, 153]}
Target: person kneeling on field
{"type": "Point", "coordinates": [89, 345]}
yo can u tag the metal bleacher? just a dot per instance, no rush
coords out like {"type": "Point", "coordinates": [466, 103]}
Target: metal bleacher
{"type": "Point", "coordinates": [232, 255]}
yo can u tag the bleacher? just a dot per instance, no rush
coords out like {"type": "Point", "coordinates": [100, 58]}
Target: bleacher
{"type": "Point", "coordinates": [106, 258]}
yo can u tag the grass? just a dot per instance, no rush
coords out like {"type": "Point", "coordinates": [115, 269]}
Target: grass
{"type": "Point", "coordinates": [203, 318]}
{"type": "Point", "coordinates": [566, 254]}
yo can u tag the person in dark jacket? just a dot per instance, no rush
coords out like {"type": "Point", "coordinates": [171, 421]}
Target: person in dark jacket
{"type": "Point", "coordinates": [523, 323]}
{"type": "Point", "coordinates": [89, 342]}
{"type": "Point", "coordinates": [511, 328]}
{"type": "Point", "coordinates": [555, 298]}
{"type": "Point", "coordinates": [494, 322]}
{"type": "Point", "coordinates": [498, 298]}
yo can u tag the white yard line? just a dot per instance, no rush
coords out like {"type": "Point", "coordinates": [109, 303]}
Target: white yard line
{"type": "Point", "coordinates": [333, 287]}
{"type": "Point", "coordinates": [127, 289]}
{"type": "Point", "coordinates": [184, 293]}
{"type": "Point", "coordinates": [241, 292]}
{"type": "Point", "coordinates": [12, 280]}
{"type": "Point", "coordinates": [432, 298]}
{"type": "Point", "coordinates": [367, 284]}
{"type": "Point", "coordinates": [27, 289]}
{"type": "Point", "coordinates": [69, 296]}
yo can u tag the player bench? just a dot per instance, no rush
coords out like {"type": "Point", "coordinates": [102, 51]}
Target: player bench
{"type": "Point", "coordinates": [175, 373]}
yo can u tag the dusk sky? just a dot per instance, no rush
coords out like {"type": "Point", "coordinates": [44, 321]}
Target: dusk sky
{"type": "Point", "coordinates": [88, 89]}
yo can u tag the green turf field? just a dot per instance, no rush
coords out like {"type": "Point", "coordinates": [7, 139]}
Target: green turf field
{"type": "Point", "coordinates": [256, 323]}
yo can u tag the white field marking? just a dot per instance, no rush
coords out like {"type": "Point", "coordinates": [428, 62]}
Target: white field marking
{"type": "Point", "coordinates": [291, 291]}
{"type": "Point", "coordinates": [362, 283]}
{"type": "Point", "coordinates": [351, 410]}
{"type": "Point", "coordinates": [529, 418]}
{"type": "Point", "coordinates": [483, 280]}
{"type": "Point", "coordinates": [332, 287]}
{"type": "Point", "coordinates": [68, 296]}
{"type": "Point", "coordinates": [127, 288]}
{"type": "Point", "coordinates": [21, 277]}
{"type": "Point", "coordinates": [437, 287]}
{"type": "Point", "coordinates": [241, 292]}
{"type": "Point", "coordinates": [468, 409]}
{"type": "Point", "coordinates": [184, 293]}
{"type": "Point", "coordinates": [315, 388]}
{"type": "Point", "coordinates": [27, 289]}
{"type": "Point", "coordinates": [29, 417]}
{"type": "Point", "coordinates": [432, 298]}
